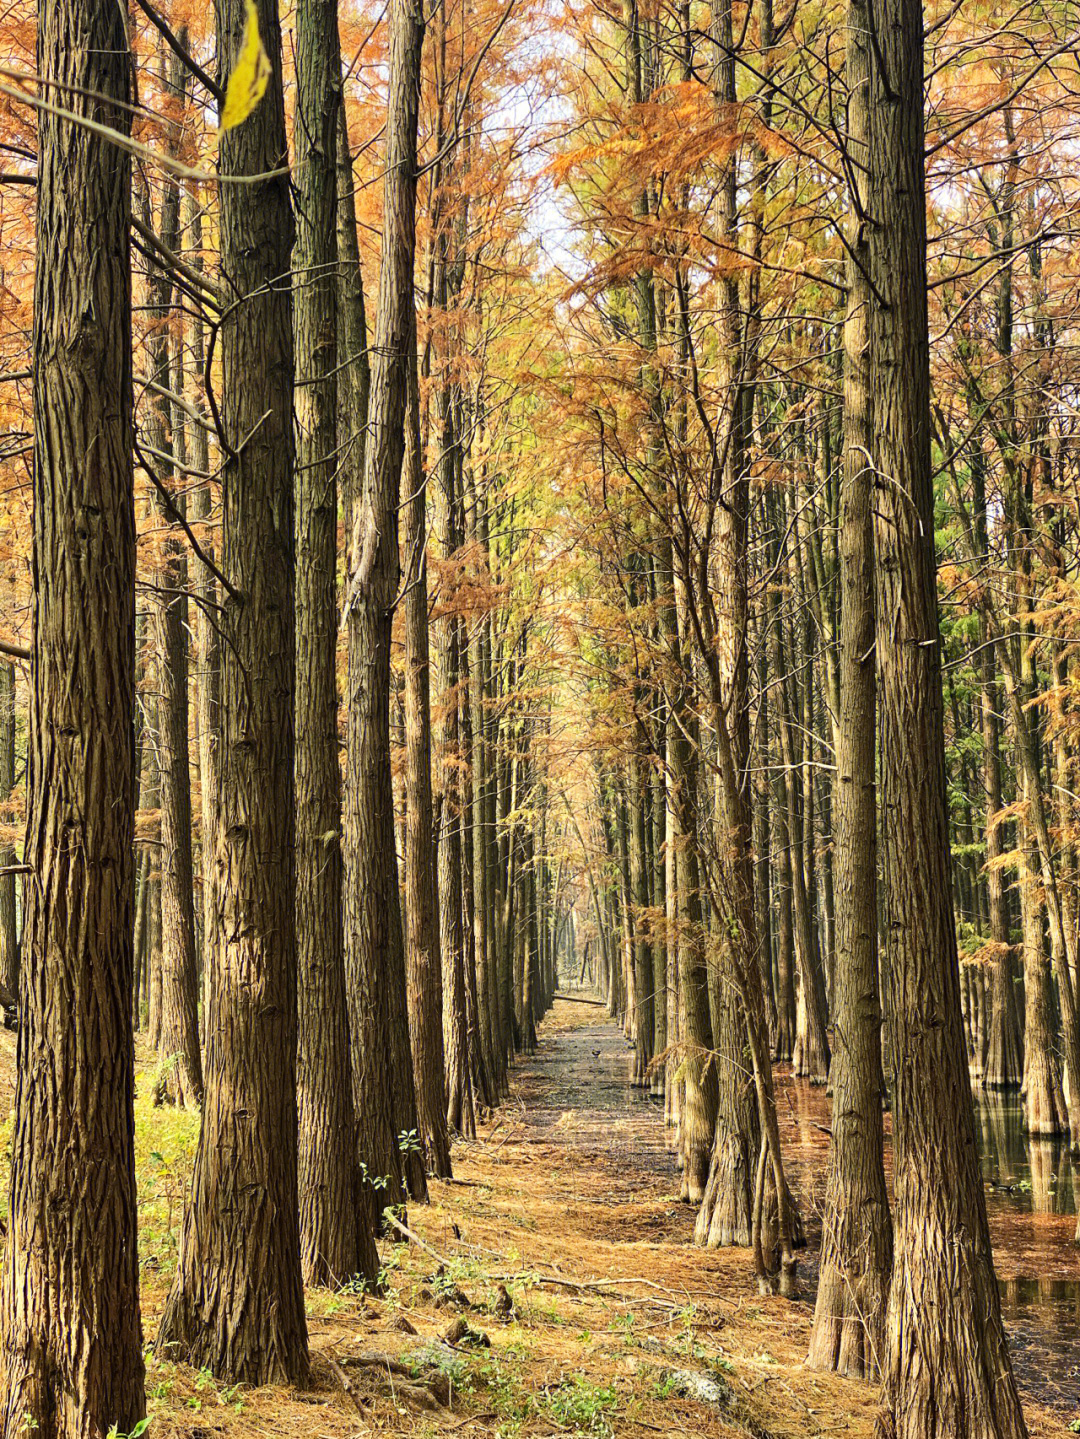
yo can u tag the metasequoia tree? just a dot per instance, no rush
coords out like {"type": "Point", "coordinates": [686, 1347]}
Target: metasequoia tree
{"type": "Point", "coordinates": [237, 1302]}
{"type": "Point", "coordinates": [946, 1365]}
{"type": "Point", "coordinates": [422, 921]}
{"type": "Point", "coordinates": [335, 1245]}
{"type": "Point", "coordinates": [856, 1249]}
{"type": "Point", "coordinates": [72, 1341]}
{"type": "Point", "coordinates": [381, 1060]}
{"type": "Point", "coordinates": [446, 464]}
{"type": "Point", "coordinates": [180, 1080]}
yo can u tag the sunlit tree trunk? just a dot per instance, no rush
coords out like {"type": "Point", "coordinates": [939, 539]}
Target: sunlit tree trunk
{"type": "Point", "coordinates": [383, 1083]}
{"type": "Point", "coordinates": [206, 625]}
{"type": "Point", "coordinates": [71, 1334]}
{"type": "Point", "coordinates": [180, 1079]}
{"type": "Point", "coordinates": [947, 1369]}
{"type": "Point", "coordinates": [856, 1247]}
{"type": "Point", "coordinates": [423, 961]}
{"type": "Point", "coordinates": [236, 1306]}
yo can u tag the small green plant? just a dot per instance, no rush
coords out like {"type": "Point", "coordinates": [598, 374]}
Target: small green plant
{"type": "Point", "coordinates": [511, 1403]}
{"type": "Point", "coordinates": [623, 1324]}
{"type": "Point", "coordinates": [136, 1433]}
{"type": "Point", "coordinates": [436, 1356]}
{"type": "Point", "coordinates": [230, 1396]}
{"type": "Point", "coordinates": [378, 1181]}
{"type": "Point", "coordinates": [583, 1408]}
{"type": "Point", "coordinates": [409, 1142]}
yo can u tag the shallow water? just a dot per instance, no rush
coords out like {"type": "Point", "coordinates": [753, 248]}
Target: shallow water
{"type": "Point", "coordinates": [1031, 1189]}
{"type": "Point", "coordinates": [1031, 1200]}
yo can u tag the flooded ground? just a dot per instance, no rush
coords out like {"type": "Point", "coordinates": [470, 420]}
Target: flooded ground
{"type": "Point", "coordinates": [1031, 1189]}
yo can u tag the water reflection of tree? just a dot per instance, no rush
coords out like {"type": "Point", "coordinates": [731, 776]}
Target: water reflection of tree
{"type": "Point", "coordinates": [1029, 1169]}
{"type": "Point", "coordinates": [1051, 1176]}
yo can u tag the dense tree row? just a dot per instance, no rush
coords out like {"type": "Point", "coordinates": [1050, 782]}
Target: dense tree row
{"type": "Point", "coordinates": [493, 504]}
{"type": "Point", "coordinates": [218, 867]}
{"type": "Point", "coordinates": [790, 724]}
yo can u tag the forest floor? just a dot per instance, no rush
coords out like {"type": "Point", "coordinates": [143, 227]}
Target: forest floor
{"type": "Point", "coordinates": [554, 1291]}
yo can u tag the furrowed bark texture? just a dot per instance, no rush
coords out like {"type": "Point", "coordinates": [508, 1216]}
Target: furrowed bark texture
{"type": "Point", "coordinates": [856, 1250]}
{"type": "Point", "coordinates": [947, 1369]}
{"type": "Point", "coordinates": [71, 1335]}
{"type": "Point", "coordinates": [180, 1080]}
{"type": "Point", "coordinates": [375, 960]}
{"type": "Point", "coordinates": [423, 961]}
{"type": "Point", "coordinates": [335, 1245]}
{"type": "Point", "coordinates": [237, 1302]}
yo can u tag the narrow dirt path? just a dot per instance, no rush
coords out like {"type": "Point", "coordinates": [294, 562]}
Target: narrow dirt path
{"type": "Point", "coordinates": [576, 1093]}
{"type": "Point", "coordinates": [594, 1193]}
{"type": "Point", "coordinates": [550, 1290]}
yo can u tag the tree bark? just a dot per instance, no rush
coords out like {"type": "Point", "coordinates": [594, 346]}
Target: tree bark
{"type": "Point", "coordinates": [71, 1333]}
{"type": "Point", "coordinates": [856, 1247]}
{"type": "Point", "coordinates": [237, 1302]}
{"type": "Point", "coordinates": [207, 648]}
{"type": "Point", "coordinates": [947, 1370]}
{"type": "Point", "coordinates": [460, 1096]}
{"type": "Point", "coordinates": [335, 1245]}
{"type": "Point", "coordinates": [381, 1060]}
{"type": "Point", "coordinates": [423, 959]}
{"type": "Point", "coordinates": [180, 1080]}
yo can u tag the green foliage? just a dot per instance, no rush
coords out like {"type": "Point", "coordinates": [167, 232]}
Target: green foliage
{"type": "Point", "coordinates": [336, 1301]}
{"type": "Point", "coordinates": [165, 1140]}
{"type": "Point", "coordinates": [442, 1359]}
{"type": "Point", "coordinates": [509, 1399]}
{"type": "Point", "coordinates": [115, 1433]}
{"type": "Point", "coordinates": [409, 1142]}
{"type": "Point", "coordinates": [206, 1388]}
{"type": "Point", "coordinates": [582, 1408]}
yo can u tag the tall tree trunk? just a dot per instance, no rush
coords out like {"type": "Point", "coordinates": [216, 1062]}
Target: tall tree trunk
{"type": "Point", "coordinates": [207, 648]}
{"type": "Point", "coordinates": [1004, 1058]}
{"type": "Point", "coordinates": [354, 373]}
{"type": "Point", "coordinates": [639, 903]}
{"type": "Point", "coordinates": [334, 1244]}
{"type": "Point", "coordinates": [150, 799]}
{"type": "Point", "coordinates": [237, 1302]}
{"type": "Point", "coordinates": [947, 1370]}
{"type": "Point", "coordinates": [784, 1047]}
{"type": "Point", "coordinates": [180, 1080]}
{"type": "Point", "coordinates": [659, 905]}
{"type": "Point", "coordinates": [71, 1334]}
{"type": "Point", "coordinates": [382, 1067]}
{"type": "Point", "coordinates": [461, 1098]}
{"type": "Point", "coordinates": [1004, 1065]}
{"type": "Point", "coordinates": [856, 1247]}
{"type": "Point", "coordinates": [811, 1046]}
{"type": "Point", "coordinates": [424, 966]}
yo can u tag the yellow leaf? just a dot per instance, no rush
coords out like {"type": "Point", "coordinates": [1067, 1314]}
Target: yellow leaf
{"type": "Point", "coordinates": [251, 73]}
